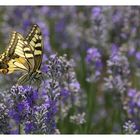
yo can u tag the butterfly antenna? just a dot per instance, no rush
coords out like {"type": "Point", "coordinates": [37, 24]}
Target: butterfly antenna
{"type": "Point", "coordinates": [42, 77]}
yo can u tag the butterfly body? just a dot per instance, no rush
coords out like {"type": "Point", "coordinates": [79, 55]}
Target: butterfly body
{"type": "Point", "coordinates": [24, 54]}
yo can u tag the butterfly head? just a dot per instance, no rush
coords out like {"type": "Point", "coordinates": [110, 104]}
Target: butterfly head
{"type": "Point", "coordinates": [3, 67]}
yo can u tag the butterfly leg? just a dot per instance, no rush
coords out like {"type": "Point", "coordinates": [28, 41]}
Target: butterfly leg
{"type": "Point", "coordinates": [42, 78]}
{"type": "Point", "coordinates": [37, 81]}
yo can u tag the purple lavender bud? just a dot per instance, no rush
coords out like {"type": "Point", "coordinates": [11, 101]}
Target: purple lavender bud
{"type": "Point", "coordinates": [138, 56]}
{"type": "Point", "coordinates": [132, 92]}
{"type": "Point", "coordinates": [94, 64]}
{"type": "Point", "coordinates": [96, 11]}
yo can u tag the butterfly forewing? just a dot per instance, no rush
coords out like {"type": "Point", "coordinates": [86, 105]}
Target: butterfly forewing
{"type": "Point", "coordinates": [34, 39]}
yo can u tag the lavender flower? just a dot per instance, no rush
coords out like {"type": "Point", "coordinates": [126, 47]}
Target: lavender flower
{"type": "Point", "coordinates": [94, 64]}
{"type": "Point", "coordinates": [62, 83]}
{"type": "Point", "coordinates": [4, 118]}
{"type": "Point", "coordinates": [118, 71]}
{"type": "Point", "coordinates": [29, 111]}
{"type": "Point", "coordinates": [41, 121]}
{"type": "Point", "coordinates": [19, 107]}
{"type": "Point", "coordinates": [99, 27]}
{"type": "Point", "coordinates": [131, 105]}
{"type": "Point", "coordinates": [78, 118]}
{"type": "Point", "coordinates": [130, 127]}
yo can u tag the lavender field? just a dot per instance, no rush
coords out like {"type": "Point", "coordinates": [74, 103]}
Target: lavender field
{"type": "Point", "coordinates": [91, 70]}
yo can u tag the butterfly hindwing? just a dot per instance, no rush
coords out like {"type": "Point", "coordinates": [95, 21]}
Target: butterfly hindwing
{"type": "Point", "coordinates": [17, 65]}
